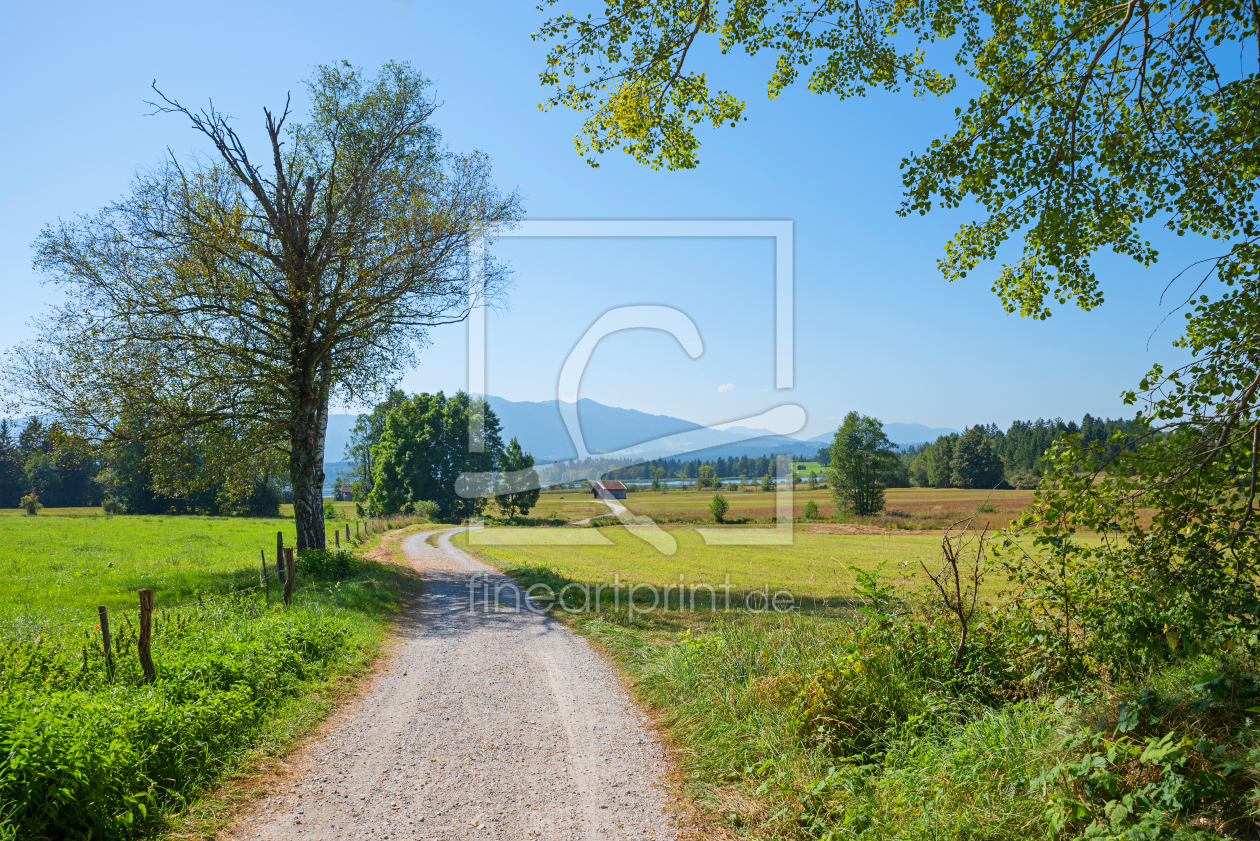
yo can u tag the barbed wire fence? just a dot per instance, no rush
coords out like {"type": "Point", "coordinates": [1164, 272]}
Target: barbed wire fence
{"type": "Point", "coordinates": [148, 612]}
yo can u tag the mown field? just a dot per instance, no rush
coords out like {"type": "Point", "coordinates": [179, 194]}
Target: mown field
{"type": "Point", "coordinates": [59, 566]}
{"type": "Point", "coordinates": [906, 508]}
{"type": "Point", "coordinates": [94, 750]}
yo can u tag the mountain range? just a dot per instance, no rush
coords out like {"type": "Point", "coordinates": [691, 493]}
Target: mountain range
{"type": "Point", "coordinates": [540, 429]}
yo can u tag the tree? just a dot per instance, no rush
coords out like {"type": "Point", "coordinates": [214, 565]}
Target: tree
{"type": "Point", "coordinates": [230, 300]}
{"type": "Point", "coordinates": [974, 464]}
{"type": "Point", "coordinates": [424, 449]}
{"type": "Point", "coordinates": [41, 477]}
{"type": "Point", "coordinates": [10, 468]}
{"type": "Point", "coordinates": [1085, 124]}
{"type": "Point", "coordinates": [706, 477]}
{"type": "Point", "coordinates": [767, 483]}
{"type": "Point", "coordinates": [862, 463]}
{"type": "Point", "coordinates": [940, 458]}
{"type": "Point", "coordinates": [517, 461]}
{"type": "Point", "coordinates": [365, 435]}
{"type": "Point", "coordinates": [718, 506]}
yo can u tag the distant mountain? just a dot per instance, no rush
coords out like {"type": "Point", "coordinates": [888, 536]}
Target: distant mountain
{"type": "Point", "coordinates": [901, 434]}
{"type": "Point", "coordinates": [904, 434]}
{"type": "Point", "coordinates": [540, 429]}
{"type": "Point", "coordinates": [338, 437]}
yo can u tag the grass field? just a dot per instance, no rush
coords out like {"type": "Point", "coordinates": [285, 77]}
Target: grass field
{"type": "Point", "coordinates": [821, 725]}
{"type": "Point", "coordinates": [58, 566]}
{"type": "Point", "coordinates": [819, 570]}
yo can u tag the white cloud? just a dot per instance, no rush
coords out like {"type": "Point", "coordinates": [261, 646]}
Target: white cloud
{"type": "Point", "coordinates": [722, 389]}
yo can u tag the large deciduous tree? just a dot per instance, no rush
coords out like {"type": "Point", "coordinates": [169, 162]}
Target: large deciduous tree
{"type": "Point", "coordinates": [425, 449]}
{"type": "Point", "coordinates": [863, 464]}
{"type": "Point", "coordinates": [520, 465]}
{"type": "Point", "coordinates": [227, 301]}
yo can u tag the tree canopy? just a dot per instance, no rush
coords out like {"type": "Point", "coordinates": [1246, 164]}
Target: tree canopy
{"type": "Point", "coordinates": [1089, 120]}
{"type": "Point", "coordinates": [517, 461]}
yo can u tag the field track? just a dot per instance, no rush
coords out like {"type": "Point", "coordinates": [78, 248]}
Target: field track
{"type": "Point", "coordinates": [488, 724]}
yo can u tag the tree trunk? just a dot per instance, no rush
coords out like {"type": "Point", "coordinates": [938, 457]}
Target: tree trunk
{"type": "Point", "coordinates": [306, 462]}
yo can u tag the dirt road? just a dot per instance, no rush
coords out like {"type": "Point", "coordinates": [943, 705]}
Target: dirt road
{"type": "Point", "coordinates": [489, 723]}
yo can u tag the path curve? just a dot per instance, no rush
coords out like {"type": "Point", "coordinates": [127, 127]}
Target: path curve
{"type": "Point", "coordinates": [489, 723]}
{"type": "Point", "coordinates": [615, 510]}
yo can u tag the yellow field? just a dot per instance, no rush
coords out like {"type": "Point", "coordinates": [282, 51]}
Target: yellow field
{"type": "Point", "coordinates": [905, 507]}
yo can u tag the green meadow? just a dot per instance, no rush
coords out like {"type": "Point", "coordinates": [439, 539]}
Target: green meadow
{"type": "Point", "coordinates": [815, 568]}
{"type": "Point", "coordinates": [94, 750]}
{"type": "Point", "coordinates": [58, 566]}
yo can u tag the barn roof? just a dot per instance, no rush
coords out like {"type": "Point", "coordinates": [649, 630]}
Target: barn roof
{"type": "Point", "coordinates": [609, 484]}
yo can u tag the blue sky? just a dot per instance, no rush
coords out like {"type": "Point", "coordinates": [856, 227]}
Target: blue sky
{"type": "Point", "coordinates": [877, 329]}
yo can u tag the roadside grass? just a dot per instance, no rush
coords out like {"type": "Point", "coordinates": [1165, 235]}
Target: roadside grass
{"type": "Point", "coordinates": [92, 749]}
{"type": "Point", "coordinates": [834, 723]}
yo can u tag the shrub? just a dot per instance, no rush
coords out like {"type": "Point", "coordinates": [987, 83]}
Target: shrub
{"type": "Point", "coordinates": [32, 504]}
{"type": "Point", "coordinates": [89, 757]}
{"type": "Point", "coordinates": [718, 506]}
{"type": "Point", "coordinates": [327, 564]}
{"type": "Point", "coordinates": [811, 510]}
{"type": "Point", "coordinates": [330, 511]}
{"type": "Point", "coordinates": [986, 508]}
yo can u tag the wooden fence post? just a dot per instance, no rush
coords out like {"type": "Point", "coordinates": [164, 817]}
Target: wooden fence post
{"type": "Point", "coordinates": [292, 570]}
{"type": "Point", "coordinates": [143, 645]}
{"type": "Point", "coordinates": [347, 532]}
{"type": "Point", "coordinates": [337, 538]}
{"type": "Point", "coordinates": [280, 556]}
{"type": "Point", "coordinates": [265, 580]}
{"type": "Point", "coordinates": [356, 527]}
{"type": "Point", "coordinates": [109, 659]}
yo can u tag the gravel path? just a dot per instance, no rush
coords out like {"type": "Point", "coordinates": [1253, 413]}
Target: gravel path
{"type": "Point", "coordinates": [489, 723]}
{"type": "Point", "coordinates": [615, 509]}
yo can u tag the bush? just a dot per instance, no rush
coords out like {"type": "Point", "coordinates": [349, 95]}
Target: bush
{"type": "Point", "coordinates": [427, 509]}
{"type": "Point", "coordinates": [718, 506]}
{"type": "Point", "coordinates": [986, 508]}
{"type": "Point", "coordinates": [330, 511]}
{"type": "Point", "coordinates": [325, 564]}
{"type": "Point", "coordinates": [811, 510]}
{"type": "Point", "coordinates": [32, 504]}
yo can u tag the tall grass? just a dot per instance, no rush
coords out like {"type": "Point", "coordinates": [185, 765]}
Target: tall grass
{"type": "Point", "coordinates": [733, 698]}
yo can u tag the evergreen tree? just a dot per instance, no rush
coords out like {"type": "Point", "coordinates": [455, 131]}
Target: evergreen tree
{"type": "Point", "coordinates": [974, 464]}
